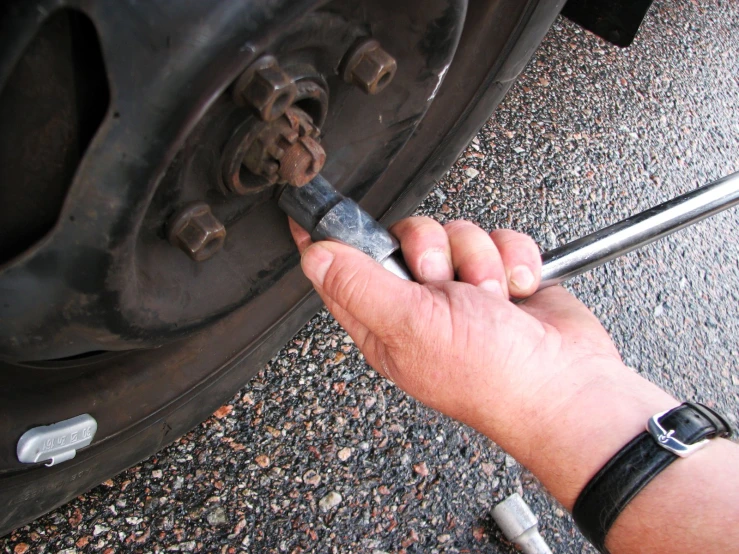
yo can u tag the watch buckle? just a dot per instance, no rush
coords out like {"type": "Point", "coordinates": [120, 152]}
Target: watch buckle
{"type": "Point", "coordinates": [666, 440]}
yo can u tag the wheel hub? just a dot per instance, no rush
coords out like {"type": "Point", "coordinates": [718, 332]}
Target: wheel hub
{"type": "Point", "coordinates": [194, 157]}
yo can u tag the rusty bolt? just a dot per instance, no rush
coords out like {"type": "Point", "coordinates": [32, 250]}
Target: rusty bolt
{"type": "Point", "coordinates": [265, 87]}
{"type": "Point", "coordinates": [197, 232]}
{"type": "Point", "coordinates": [302, 162]}
{"type": "Point", "coordinates": [369, 67]}
{"type": "Point", "coordinates": [286, 151]}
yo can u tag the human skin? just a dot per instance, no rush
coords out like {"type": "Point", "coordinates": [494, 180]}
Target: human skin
{"type": "Point", "coordinates": [541, 377]}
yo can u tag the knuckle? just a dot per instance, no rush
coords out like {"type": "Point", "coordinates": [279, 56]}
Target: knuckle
{"type": "Point", "coordinates": [459, 225]}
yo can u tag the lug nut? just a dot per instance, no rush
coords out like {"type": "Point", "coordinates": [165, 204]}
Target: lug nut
{"type": "Point", "coordinates": [265, 87]}
{"type": "Point", "coordinates": [369, 67]}
{"type": "Point", "coordinates": [286, 151]}
{"type": "Point", "coordinates": [302, 162]}
{"type": "Point", "coordinates": [197, 232]}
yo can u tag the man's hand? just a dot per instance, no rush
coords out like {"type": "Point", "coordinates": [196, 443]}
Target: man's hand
{"type": "Point", "coordinates": [541, 378]}
{"type": "Point", "coordinates": [461, 346]}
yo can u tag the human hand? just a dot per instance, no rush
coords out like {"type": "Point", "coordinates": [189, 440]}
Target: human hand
{"type": "Point", "coordinates": [461, 346]}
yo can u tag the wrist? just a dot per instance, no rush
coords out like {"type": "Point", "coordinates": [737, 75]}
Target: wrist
{"type": "Point", "coordinates": [573, 422]}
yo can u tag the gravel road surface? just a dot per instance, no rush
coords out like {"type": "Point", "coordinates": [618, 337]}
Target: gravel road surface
{"type": "Point", "coordinates": [319, 454]}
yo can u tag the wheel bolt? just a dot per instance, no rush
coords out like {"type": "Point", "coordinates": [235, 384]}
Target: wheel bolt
{"type": "Point", "coordinates": [369, 67]}
{"type": "Point", "coordinates": [197, 232]}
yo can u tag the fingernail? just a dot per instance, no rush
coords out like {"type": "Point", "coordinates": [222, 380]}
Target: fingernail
{"type": "Point", "coordinates": [315, 262]}
{"type": "Point", "coordinates": [522, 279]}
{"type": "Point", "coordinates": [491, 285]}
{"type": "Point", "coordinates": [435, 266]}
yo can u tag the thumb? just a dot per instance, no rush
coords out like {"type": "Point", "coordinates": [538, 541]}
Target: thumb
{"type": "Point", "coordinates": [375, 297]}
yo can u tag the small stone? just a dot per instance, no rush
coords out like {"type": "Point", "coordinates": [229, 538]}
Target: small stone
{"type": "Point", "coordinates": [217, 517]}
{"type": "Point", "coordinates": [347, 340]}
{"type": "Point", "coordinates": [487, 468]}
{"type": "Point", "coordinates": [510, 461]}
{"type": "Point", "coordinates": [156, 474]}
{"type": "Point", "coordinates": [471, 172]}
{"type": "Point", "coordinates": [331, 500]}
{"type": "Point", "coordinates": [410, 539]}
{"type": "Point", "coordinates": [223, 411]}
{"type": "Point", "coordinates": [99, 530]}
{"type": "Point", "coordinates": [262, 460]}
{"type": "Point", "coordinates": [21, 548]}
{"type": "Point", "coordinates": [239, 526]}
{"type": "Point", "coordinates": [311, 477]}
{"type": "Point", "coordinates": [188, 546]}
{"type": "Point", "coordinates": [559, 512]}
{"type": "Point", "coordinates": [133, 520]}
{"type": "Point", "coordinates": [178, 482]}
{"type": "Point", "coordinates": [478, 533]}
{"type": "Point", "coordinates": [659, 310]}
{"type": "Point", "coordinates": [444, 538]}
{"type": "Point", "coordinates": [344, 454]}
{"type": "Point", "coordinates": [421, 469]}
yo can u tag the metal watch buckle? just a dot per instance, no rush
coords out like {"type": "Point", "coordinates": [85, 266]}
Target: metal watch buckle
{"type": "Point", "coordinates": [666, 439]}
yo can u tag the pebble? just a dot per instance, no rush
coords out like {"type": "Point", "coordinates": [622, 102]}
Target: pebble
{"type": "Point", "coordinates": [311, 477]}
{"type": "Point", "coordinates": [344, 454]}
{"type": "Point", "coordinates": [100, 529]}
{"type": "Point", "coordinates": [330, 501]}
{"type": "Point", "coordinates": [217, 517]}
{"type": "Point", "coordinates": [471, 172]}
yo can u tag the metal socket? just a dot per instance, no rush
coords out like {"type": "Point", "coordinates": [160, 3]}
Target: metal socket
{"type": "Point", "coordinates": [519, 525]}
{"type": "Point", "coordinates": [197, 232]}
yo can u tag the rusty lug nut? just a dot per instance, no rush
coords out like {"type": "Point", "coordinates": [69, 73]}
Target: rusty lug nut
{"type": "Point", "coordinates": [197, 232]}
{"type": "Point", "coordinates": [302, 162]}
{"type": "Point", "coordinates": [370, 67]}
{"type": "Point", "coordinates": [286, 151]}
{"type": "Point", "coordinates": [265, 87]}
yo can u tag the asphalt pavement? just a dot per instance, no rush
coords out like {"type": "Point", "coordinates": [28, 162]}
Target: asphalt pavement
{"type": "Point", "coordinates": [319, 454]}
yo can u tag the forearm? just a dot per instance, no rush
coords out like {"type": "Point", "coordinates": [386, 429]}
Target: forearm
{"type": "Point", "coordinates": [692, 506]}
{"type": "Point", "coordinates": [589, 416]}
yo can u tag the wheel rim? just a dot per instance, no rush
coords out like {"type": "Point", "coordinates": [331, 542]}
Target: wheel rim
{"type": "Point", "coordinates": [113, 359]}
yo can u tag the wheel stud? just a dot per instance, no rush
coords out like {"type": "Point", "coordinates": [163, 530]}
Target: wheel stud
{"type": "Point", "coordinates": [265, 87]}
{"type": "Point", "coordinates": [369, 67]}
{"type": "Point", "coordinates": [197, 232]}
{"type": "Point", "coordinates": [286, 151]}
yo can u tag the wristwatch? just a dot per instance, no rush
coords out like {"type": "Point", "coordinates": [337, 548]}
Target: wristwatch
{"type": "Point", "coordinates": [670, 435]}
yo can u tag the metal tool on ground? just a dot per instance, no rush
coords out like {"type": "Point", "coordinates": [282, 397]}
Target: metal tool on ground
{"type": "Point", "coordinates": [326, 214]}
{"type": "Point", "coordinates": [519, 525]}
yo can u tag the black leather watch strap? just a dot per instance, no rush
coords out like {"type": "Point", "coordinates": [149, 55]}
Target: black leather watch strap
{"type": "Point", "coordinates": [636, 464]}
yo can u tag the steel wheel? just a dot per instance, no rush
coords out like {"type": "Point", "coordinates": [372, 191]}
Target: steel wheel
{"type": "Point", "coordinates": [119, 300]}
